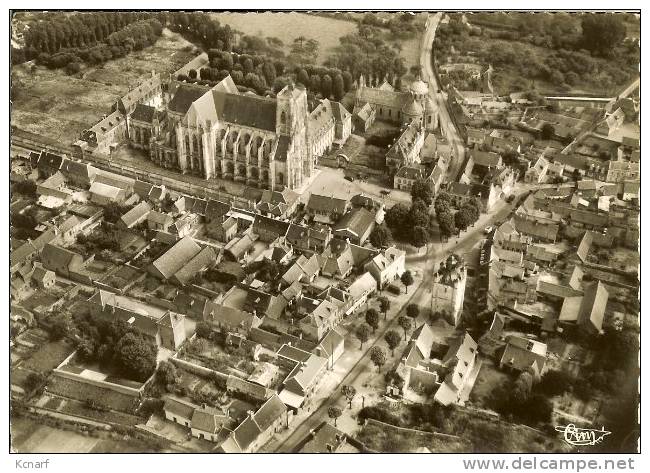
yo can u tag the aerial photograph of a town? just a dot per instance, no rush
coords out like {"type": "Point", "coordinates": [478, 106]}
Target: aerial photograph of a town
{"type": "Point", "coordinates": [323, 232]}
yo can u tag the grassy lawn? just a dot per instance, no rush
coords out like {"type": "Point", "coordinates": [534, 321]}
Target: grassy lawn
{"type": "Point", "coordinates": [327, 31]}
{"type": "Point", "coordinates": [28, 436]}
{"type": "Point", "coordinates": [197, 384]}
{"type": "Point", "coordinates": [80, 409]}
{"type": "Point", "coordinates": [289, 26]}
{"type": "Point", "coordinates": [82, 391]}
{"type": "Point", "coordinates": [59, 106]}
{"type": "Point", "coordinates": [40, 298]}
{"type": "Point", "coordinates": [49, 356]}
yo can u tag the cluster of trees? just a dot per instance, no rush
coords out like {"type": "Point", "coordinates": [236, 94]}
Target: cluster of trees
{"type": "Point", "coordinates": [26, 187]}
{"type": "Point", "coordinates": [416, 223]}
{"type": "Point", "coordinates": [201, 28]}
{"type": "Point", "coordinates": [400, 25]}
{"type": "Point", "coordinates": [226, 273]}
{"type": "Point", "coordinates": [265, 75]}
{"type": "Point", "coordinates": [450, 223]}
{"type": "Point", "coordinates": [269, 46]}
{"type": "Point", "coordinates": [132, 37]}
{"type": "Point", "coordinates": [116, 345]}
{"type": "Point", "coordinates": [265, 270]}
{"type": "Point", "coordinates": [381, 236]}
{"type": "Point", "coordinates": [253, 72]}
{"type": "Point", "coordinates": [597, 33]}
{"type": "Point", "coordinates": [616, 360]}
{"type": "Point", "coordinates": [304, 50]}
{"type": "Point", "coordinates": [114, 211]}
{"type": "Point", "coordinates": [327, 82]}
{"type": "Point", "coordinates": [60, 325]}
{"type": "Point", "coordinates": [56, 31]}
{"type": "Point", "coordinates": [25, 221]}
{"type": "Point", "coordinates": [574, 49]}
{"type": "Point", "coordinates": [367, 52]}
{"type": "Point", "coordinates": [413, 224]}
{"type": "Point", "coordinates": [517, 400]}
{"type": "Point", "coordinates": [259, 64]}
{"type": "Point", "coordinates": [98, 241]}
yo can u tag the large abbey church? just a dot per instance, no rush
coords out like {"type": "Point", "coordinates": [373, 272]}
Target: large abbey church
{"type": "Point", "coordinates": [222, 133]}
{"type": "Point", "coordinates": [401, 107]}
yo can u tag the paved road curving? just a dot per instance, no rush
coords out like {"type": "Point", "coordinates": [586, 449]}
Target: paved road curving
{"type": "Point", "coordinates": [446, 124]}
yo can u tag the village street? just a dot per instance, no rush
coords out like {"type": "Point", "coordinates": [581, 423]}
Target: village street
{"type": "Point", "coordinates": [435, 92]}
{"type": "Point", "coordinates": [354, 367]}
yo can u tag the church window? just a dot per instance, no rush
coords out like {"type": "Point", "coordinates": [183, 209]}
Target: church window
{"type": "Point", "coordinates": [283, 118]}
{"type": "Point", "coordinates": [198, 149]}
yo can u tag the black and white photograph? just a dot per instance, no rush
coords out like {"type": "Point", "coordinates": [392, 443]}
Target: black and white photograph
{"type": "Point", "coordinates": [291, 231]}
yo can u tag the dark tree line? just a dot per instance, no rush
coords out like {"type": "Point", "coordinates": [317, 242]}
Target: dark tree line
{"type": "Point", "coordinates": [202, 28]}
{"type": "Point", "coordinates": [266, 75]}
{"type": "Point", "coordinates": [54, 32]}
{"type": "Point", "coordinates": [133, 36]}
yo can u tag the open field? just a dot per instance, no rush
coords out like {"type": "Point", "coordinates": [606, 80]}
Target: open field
{"type": "Point", "coordinates": [59, 106]}
{"type": "Point", "coordinates": [29, 436]}
{"type": "Point", "coordinates": [168, 55]}
{"type": "Point", "coordinates": [49, 356]}
{"type": "Point", "coordinates": [289, 26]}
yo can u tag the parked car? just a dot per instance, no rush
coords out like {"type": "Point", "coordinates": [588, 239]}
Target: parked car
{"type": "Point", "coordinates": [394, 289]}
{"type": "Point", "coordinates": [488, 230]}
{"type": "Point", "coordinates": [384, 192]}
{"type": "Point", "coordinates": [349, 178]}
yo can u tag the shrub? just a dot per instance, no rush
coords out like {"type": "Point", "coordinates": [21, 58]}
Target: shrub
{"type": "Point", "coordinates": [379, 413]}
